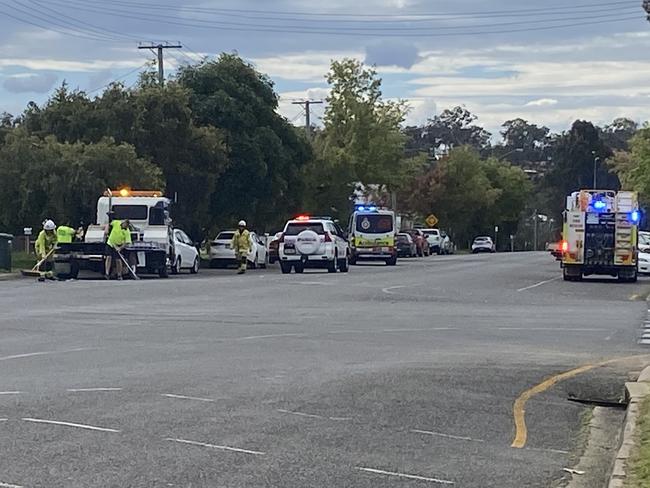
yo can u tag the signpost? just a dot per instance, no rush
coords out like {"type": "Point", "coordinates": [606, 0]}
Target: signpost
{"type": "Point", "coordinates": [28, 232]}
{"type": "Point", "coordinates": [431, 220]}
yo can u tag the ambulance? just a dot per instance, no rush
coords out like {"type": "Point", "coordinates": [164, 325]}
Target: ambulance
{"type": "Point", "coordinates": [372, 235]}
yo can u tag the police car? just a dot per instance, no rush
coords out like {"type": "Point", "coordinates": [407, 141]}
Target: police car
{"type": "Point", "coordinates": [313, 242]}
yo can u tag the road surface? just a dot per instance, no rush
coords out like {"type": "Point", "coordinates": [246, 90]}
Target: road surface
{"type": "Point", "coordinates": [404, 376]}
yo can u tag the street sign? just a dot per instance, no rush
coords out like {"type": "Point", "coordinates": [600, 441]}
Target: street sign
{"type": "Point", "coordinates": [431, 220]}
{"type": "Point", "coordinates": [496, 228]}
{"type": "Point", "coordinates": [27, 231]}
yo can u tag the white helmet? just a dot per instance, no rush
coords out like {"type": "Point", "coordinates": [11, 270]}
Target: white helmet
{"type": "Point", "coordinates": [49, 225]}
{"type": "Point", "coordinates": [242, 223]}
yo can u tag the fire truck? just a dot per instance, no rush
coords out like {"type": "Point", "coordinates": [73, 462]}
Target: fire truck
{"type": "Point", "coordinates": [600, 235]}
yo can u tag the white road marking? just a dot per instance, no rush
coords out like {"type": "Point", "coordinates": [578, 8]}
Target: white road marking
{"type": "Point", "coordinates": [183, 397]}
{"type": "Point", "coordinates": [212, 446]}
{"type": "Point", "coordinates": [10, 392]}
{"type": "Point", "coordinates": [389, 290]}
{"type": "Point", "coordinates": [407, 476]}
{"type": "Point", "coordinates": [539, 284]}
{"type": "Point", "coordinates": [270, 336]}
{"type": "Point", "coordinates": [447, 436]}
{"type": "Point", "coordinates": [312, 416]}
{"type": "Point", "coordinates": [542, 449]}
{"type": "Point", "coordinates": [43, 353]}
{"type": "Point", "coordinates": [419, 330]}
{"type": "Point", "coordinates": [80, 390]}
{"type": "Point", "coordinates": [4, 420]}
{"type": "Point", "coordinates": [9, 485]}
{"type": "Point", "coordinates": [559, 329]}
{"type": "Point", "coordinates": [69, 424]}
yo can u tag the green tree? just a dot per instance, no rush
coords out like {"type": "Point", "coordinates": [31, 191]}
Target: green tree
{"type": "Point", "coordinates": [361, 141]}
{"type": "Point", "coordinates": [263, 183]}
{"type": "Point", "coordinates": [633, 167]}
{"type": "Point", "coordinates": [45, 178]}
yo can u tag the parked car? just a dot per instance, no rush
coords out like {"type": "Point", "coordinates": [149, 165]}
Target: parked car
{"type": "Point", "coordinates": [446, 246]}
{"type": "Point", "coordinates": [406, 247]}
{"type": "Point", "coordinates": [483, 244]}
{"type": "Point", "coordinates": [644, 241]}
{"type": "Point", "coordinates": [433, 239]}
{"type": "Point", "coordinates": [644, 262]}
{"type": "Point", "coordinates": [222, 255]}
{"type": "Point", "coordinates": [274, 248]}
{"type": "Point", "coordinates": [420, 240]}
{"type": "Point", "coordinates": [187, 255]}
{"type": "Point", "coordinates": [555, 248]}
{"type": "Point", "coordinates": [314, 242]}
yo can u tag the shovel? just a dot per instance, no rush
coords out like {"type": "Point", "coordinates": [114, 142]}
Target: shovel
{"type": "Point", "coordinates": [128, 266]}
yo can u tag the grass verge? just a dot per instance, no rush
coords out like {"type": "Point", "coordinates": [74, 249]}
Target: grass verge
{"type": "Point", "coordinates": [638, 467]}
{"type": "Point", "coordinates": [22, 260]}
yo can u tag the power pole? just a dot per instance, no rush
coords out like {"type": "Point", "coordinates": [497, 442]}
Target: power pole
{"type": "Point", "coordinates": [306, 104]}
{"type": "Point", "coordinates": [160, 48]}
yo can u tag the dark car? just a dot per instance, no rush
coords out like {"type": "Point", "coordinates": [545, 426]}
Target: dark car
{"type": "Point", "coordinates": [274, 248]}
{"type": "Point", "coordinates": [406, 247]}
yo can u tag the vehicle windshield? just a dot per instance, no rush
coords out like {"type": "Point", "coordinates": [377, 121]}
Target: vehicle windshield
{"type": "Point", "coordinates": [402, 238]}
{"type": "Point", "coordinates": [131, 212]}
{"type": "Point", "coordinates": [431, 232]}
{"type": "Point", "coordinates": [295, 228]}
{"type": "Point", "coordinates": [225, 236]}
{"type": "Point", "coordinates": [482, 239]}
{"type": "Point", "coordinates": [374, 224]}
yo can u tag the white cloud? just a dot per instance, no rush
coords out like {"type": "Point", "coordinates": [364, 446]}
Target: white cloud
{"type": "Point", "coordinates": [308, 66]}
{"type": "Point", "coordinates": [542, 102]}
{"type": "Point", "coordinates": [68, 65]}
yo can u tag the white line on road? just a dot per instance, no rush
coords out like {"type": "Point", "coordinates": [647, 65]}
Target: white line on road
{"type": "Point", "coordinates": [4, 420]}
{"type": "Point", "coordinates": [270, 336]}
{"type": "Point", "coordinates": [389, 290]}
{"type": "Point", "coordinates": [10, 392]}
{"type": "Point", "coordinates": [543, 449]}
{"type": "Point", "coordinates": [212, 446]}
{"type": "Point", "coordinates": [69, 424]}
{"type": "Point", "coordinates": [558, 329]}
{"type": "Point", "coordinates": [43, 353]}
{"type": "Point", "coordinates": [447, 436]}
{"type": "Point", "coordinates": [183, 397]}
{"type": "Point", "coordinates": [313, 416]}
{"type": "Point", "coordinates": [80, 390]}
{"type": "Point", "coordinates": [407, 476]}
{"type": "Point", "coordinates": [9, 485]}
{"type": "Point", "coordinates": [420, 330]}
{"type": "Point", "coordinates": [539, 284]}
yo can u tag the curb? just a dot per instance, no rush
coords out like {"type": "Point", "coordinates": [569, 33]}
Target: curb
{"type": "Point", "coordinates": [636, 392]}
{"type": "Point", "coordinates": [9, 276]}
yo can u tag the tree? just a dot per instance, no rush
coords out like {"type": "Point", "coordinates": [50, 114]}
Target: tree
{"type": "Point", "coordinates": [453, 128]}
{"type": "Point", "coordinates": [44, 178]}
{"type": "Point", "coordinates": [361, 142]}
{"type": "Point", "coordinates": [618, 134]}
{"type": "Point", "coordinates": [633, 167]}
{"type": "Point", "coordinates": [523, 142]}
{"type": "Point", "coordinates": [263, 182]}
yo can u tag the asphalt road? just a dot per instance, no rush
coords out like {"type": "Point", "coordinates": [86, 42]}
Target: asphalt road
{"type": "Point", "coordinates": [383, 377]}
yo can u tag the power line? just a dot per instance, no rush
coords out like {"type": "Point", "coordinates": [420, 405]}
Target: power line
{"type": "Point", "coordinates": [160, 48]}
{"type": "Point", "coordinates": [126, 75]}
{"type": "Point", "coordinates": [410, 16]}
{"type": "Point", "coordinates": [307, 104]}
{"type": "Point", "coordinates": [334, 31]}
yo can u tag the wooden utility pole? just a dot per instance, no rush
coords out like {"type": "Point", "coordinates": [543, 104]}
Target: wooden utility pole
{"type": "Point", "coordinates": [160, 48]}
{"type": "Point", "coordinates": [306, 104]}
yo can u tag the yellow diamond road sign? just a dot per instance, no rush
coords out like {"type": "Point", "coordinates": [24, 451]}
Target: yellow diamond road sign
{"type": "Point", "coordinates": [431, 220]}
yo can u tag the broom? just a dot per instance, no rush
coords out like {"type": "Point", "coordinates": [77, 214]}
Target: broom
{"type": "Point", "coordinates": [35, 271]}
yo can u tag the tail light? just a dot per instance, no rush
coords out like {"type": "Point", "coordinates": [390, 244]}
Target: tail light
{"type": "Point", "coordinates": [328, 238]}
{"type": "Point", "coordinates": [564, 246]}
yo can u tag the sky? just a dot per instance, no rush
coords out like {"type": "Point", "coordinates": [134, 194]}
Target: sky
{"type": "Point", "coordinates": [550, 62]}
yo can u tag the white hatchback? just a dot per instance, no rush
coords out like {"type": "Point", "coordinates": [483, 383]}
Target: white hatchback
{"type": "Point", "coordinates": [644, 262]}
{"type": "Point", "coordinates": [308, 242]}
{"type": "Point", "coordinates": [186, 255]}
{"type": "Point", "coordinates": [222, 255]}
{"type": "Point", "coordinates": [483, 244]}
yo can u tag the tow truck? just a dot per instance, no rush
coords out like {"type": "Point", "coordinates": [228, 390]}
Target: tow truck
{"type": "Point", "coordinates": [600, 235]}
{"type": "Point", "coordinates": [152, 249]}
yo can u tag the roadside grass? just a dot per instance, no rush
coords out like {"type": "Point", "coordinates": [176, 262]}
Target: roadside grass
{"type": "Point", "coordinates": [638, 466]}
{"type": "Point", "coordinates": [22, 260]}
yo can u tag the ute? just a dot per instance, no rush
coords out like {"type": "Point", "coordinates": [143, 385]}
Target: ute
{"type": "Point", "coordinates": [152, 250]}
{"type": "Point", "coordinates": [600, 235]}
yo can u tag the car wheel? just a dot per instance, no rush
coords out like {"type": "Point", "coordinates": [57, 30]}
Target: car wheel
{"type": "Point", "coordinates": [344, 265]}
{"type": "Point", "coordinates": [163, 272]}
{"type": "Point", "coordinates": [253, 264]}
{"type": "Point", "coordinates": [285, 267]}
{"type": "Point", "coordinates": [331, 265]}
{"type": "Point", "coordinates": [299, 268]}
{"type": "Point", "coordinates": [392, 261]}
{"type": "Point", "coordinates": [176, 268]}
{"type": "Point", "coordinates": [195, 267]}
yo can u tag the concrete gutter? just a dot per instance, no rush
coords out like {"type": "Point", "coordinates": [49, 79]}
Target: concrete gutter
{"type": "Point", "coordinates": [9, 276]}
{"type": "Point", "coordinates": [636, 393]}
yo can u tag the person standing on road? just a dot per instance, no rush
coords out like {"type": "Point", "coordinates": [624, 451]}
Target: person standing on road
{"type": "Point", "coordinates": [45, 243]}
{"type": "Point", "coordinates": [242, 244]}
{"type": "Point", "coordinates": [118, 238]}
{"type": "Point", "coordinates": [65, 234]}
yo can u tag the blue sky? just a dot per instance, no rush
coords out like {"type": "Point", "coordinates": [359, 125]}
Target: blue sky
{"type": "Point", "coordinates": [550, 63]}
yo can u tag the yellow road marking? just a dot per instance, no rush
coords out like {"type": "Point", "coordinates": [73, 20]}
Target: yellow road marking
{"type": "Point", "coordinates": [519, 407]}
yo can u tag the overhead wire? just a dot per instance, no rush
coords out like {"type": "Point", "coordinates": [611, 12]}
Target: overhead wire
{"type": "Point", "coordinates": [593, 20]}
{"type": "Point", "coordinates": [124, 76]}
